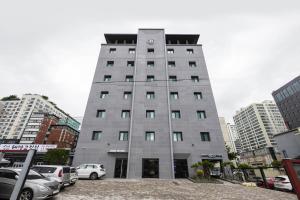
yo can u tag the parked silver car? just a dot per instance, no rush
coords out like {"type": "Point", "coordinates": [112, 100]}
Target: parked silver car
{"type": "Point", "coordinates": [36, 185]}
{"type": "Point", "coordinates": [57, 172]}
{"type": "Point", "coordinates": [73, 175]}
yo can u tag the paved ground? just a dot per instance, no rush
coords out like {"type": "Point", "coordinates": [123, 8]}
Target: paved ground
{"type": "Point", "coordinates": [114, 189]}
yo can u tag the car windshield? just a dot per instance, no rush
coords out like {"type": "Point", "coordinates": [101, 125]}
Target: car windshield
{"type": "Point", "coordinates": [279, 178]}
{"type": "Point", "coordinates": [44, 170]}
{"type": "Point", "coordinates": [34, 175]}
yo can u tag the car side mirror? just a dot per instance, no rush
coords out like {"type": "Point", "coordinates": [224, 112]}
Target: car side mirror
{"type": "Point", "coordinates": [16, 177]}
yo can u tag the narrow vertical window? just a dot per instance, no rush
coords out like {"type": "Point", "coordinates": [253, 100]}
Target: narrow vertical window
{"type": "Point", "coordinates": [150, 136]}
{"type": "Point", "coordinates": [109, 63]}
{"type": "Point", "coordinates": [177, 136]}
{"type": "Point", "coordinates": [195, 79]}
{"type": "Point", "coordinates": [112, 50]}
{"type": "Point", "coordinates": [130, 63]}
{"type": "Point", "coordinates": [201, 114]}
{"type": "Point", "coordinates": [96, 135]}
{"type": "Point", "coordinates": [198, 95]}
{"type": "Point", "coordinates": [171, 63]}
{"type": "Point", "coordinates": [107, 78]}
{"type": "Point", "coordinates": [123, 135]}
{"type": "Point", "coordinates": [174, 95]}
{"type": "Point", "coordinates": [150, 114]}
{"type": "Point", "coordinates": [192, 64]}
{"type": "Point", "coordinates": [101, 114]}
{"type": "Point", "coordinates": [127, 95]}
{"type": "Point", "coordinates": [175, 114]}
{"type": "Point", "coordinates": [150, 63]}
{"type": "Point", "coordinates": [103, 94]}
{"type": "Point", "coordinates": [125, 114]}
{"type": "Point", "coordinates": [131, 51]}
{"type": "Point", "coordinates": [205, 136]}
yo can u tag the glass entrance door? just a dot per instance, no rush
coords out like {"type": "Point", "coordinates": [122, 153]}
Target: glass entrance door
{"type": "Point", "coordinates": [121, 168]}
{"type": "Point", "coordinates": [181, 168]}
{"type": "Point", "coordinates": [150, 168]}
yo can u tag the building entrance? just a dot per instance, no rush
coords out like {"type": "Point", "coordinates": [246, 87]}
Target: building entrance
{"type": "Point", "coordinates": [181, 168]}
{"type": "Point", "coordinates": [150, 168]}
{"type": "Point", "coordinates": [121, 168]}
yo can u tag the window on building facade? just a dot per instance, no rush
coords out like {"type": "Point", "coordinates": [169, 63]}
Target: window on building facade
{"type": "Point", "coordinates": [174, 95]}
{"type": "Point", "coordinates": [112, 50]}
{"type": "Point", "coordinates": [192, 64]}
{"type": "Point", "coordinates": [195, 79]}
{"type": "Point", "coordinates": [130, 63]}
{"type": "Point", "coordinates": [101, 113]}
{"type": "Point", "coordinates": [107, 78]}
{"type": "Point", "coordinates": [150, 136]}
{"type": "Point", "coordinates": [96, 135]}
{"type": "Point", "coordinates": [125, 114]}
{"type": "Point", "coordinates": [150, 78]}
{"type": "Point", "coordinates": [131, 50]}
{"type": "Point", "coordinates": [110, 63]}
{"type": "Point", "coordinates": [150, 114]}
{"type": "Point", "coordinates": [150, 95]}
{"type": "Point", "coordinates": [150, 50]}
{"type": "Point", "coordinates": [205, 136]}
{"type": "Point", "coordinates": [127, 95]}
{"type": "Point", "coordinates": [150, 63]}
{"type": "Point", "coordinates": [201, 114]}
{"type": "Point", "coordinates": [123, 135]}
{"type": "Point", "coordinates": [198, 95]}
{"type": "Point", "coordinates": [175, 114]}
{"type": "Point", "coordinates": [170, 51]}
{"type": "Point", "coordinates": [172, 78]}
{"type": "Point", "coordinates": [103, 94]}
{"type": "Point", "coordinates": [129, 78]}
{"type": "Point", "coordinates": [177, 136]}
{"type": "Point", "coordinates": [171, 63]}
{"type": "Point", "coordinates": [190, 51]}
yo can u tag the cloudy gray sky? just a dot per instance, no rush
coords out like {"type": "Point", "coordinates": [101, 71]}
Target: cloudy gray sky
{"type": "Point", "coordinates": [51, 47]}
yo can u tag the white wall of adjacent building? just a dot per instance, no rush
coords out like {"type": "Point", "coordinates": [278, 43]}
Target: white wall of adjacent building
{"type": "Point", "coordinates": [16, 114]}
{"type": "Point", "coordinates": [257, 123]}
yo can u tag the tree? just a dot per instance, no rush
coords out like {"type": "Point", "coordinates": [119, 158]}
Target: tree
{"type": "Point", "coordinates": [10, 98]}
{"type": "Point", "coordinates": [57, 156]}
{"type": "Point", "coordinates": [206, 167]}
{"type": "Point", "coordinates": [244, 166]}
{"type": "Point", "coordinates": [231, 155]}
{"type": "Point", "coordinates": [276, 164]}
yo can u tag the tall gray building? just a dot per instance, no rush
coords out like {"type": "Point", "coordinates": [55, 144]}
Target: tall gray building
{"type": "Point", "coordinates": [287, 99]}
{"type": "Point", "coordinates": [151, 111]}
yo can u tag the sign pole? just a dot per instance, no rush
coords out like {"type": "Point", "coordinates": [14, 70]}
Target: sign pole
{"type": "Point", "coordinates": [22, 177]}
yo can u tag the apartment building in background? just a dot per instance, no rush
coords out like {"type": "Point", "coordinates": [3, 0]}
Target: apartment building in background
{"type": "Point", "coordinates": [151, 111]}
{"type": "Point", "coordinates": [227, 134]}
{"type": "Point", "coordinates": [20, 120]}
{"type": "Point", "coordinates": [256, 125]}
{"type": "Point", "coordinates": [1, 108]}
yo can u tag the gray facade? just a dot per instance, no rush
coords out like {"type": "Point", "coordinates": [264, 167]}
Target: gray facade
{"type": "Point", "coordinates": [177, 136]}
{"type": "Point", "coordinates": [289, 143]}
{"type": "Point", "coordinates": [287, 99]}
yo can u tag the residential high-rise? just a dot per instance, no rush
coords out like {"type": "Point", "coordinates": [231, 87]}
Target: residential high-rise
{"type": "Point", "coordinates": [15, 120]}
{"type": "Point", "coordinates": [287, 99]}
{"type": "Point", "coordinates": [256, 125]}
{"type": "Point", "coordinates": [1, 108]}
{"type": "Point", "coordinates": [234, 137]}
{"type": "Point", "coordinates": [227, 135]}
{"type": "Point", "coordinates": [151, 111]}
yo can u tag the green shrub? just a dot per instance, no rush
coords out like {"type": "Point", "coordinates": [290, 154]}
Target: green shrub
{"type": "Point", "coordinates": [200, 173]}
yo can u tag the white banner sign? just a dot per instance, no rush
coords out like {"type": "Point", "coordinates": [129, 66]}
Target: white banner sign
{"type": "Point", "coordinates": [27, 147]}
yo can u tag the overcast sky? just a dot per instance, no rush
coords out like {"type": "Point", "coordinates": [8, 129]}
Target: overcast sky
{"type": "Point", "coordinates": [51, 47]}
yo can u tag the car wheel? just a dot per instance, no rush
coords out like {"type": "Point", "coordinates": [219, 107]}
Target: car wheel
{"type": "Point", "coordinates": [93, 176]}
{"type": "Point", "coordinates": [26, 194]}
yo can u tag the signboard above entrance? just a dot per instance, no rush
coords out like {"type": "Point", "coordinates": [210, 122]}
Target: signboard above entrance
{"type": "Point", "coordinates": [26, 147]}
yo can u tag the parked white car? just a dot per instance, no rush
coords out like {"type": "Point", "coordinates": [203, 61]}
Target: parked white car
{"type": "Point", "coordinates": [73, 175]}
{"type": "Point", "coordinates": [283, 183]}
{"type": "Point", "coordinates": [91, 171]}
{"type": "Point", "coordinates": [57, 172]}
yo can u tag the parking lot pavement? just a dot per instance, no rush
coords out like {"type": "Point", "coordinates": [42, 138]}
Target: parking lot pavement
{"type": "Point", "coordinates": [148, 189]}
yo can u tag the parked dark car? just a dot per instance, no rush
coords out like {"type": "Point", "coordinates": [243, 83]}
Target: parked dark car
{"type": "Point", "coordinates": [269, 184]}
